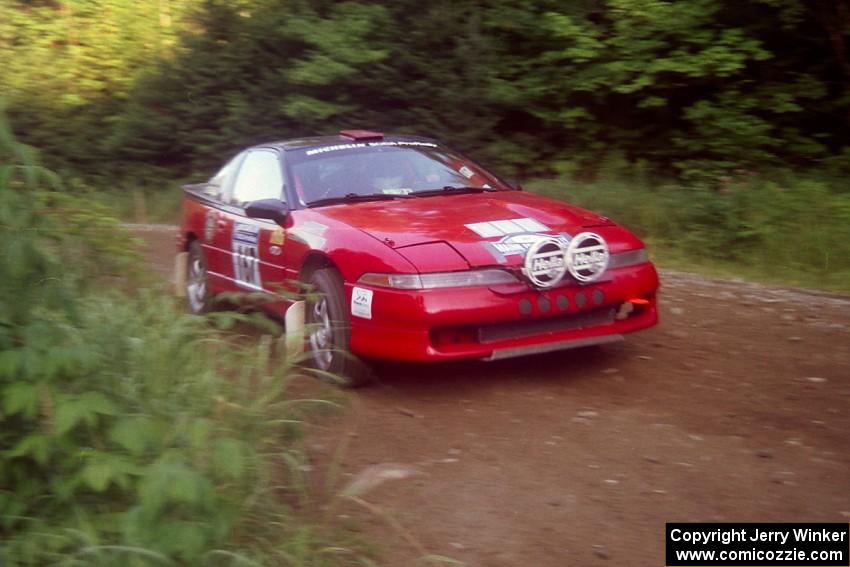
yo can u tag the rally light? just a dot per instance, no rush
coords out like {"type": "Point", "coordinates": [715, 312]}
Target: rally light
{"type": "Point", "coordinates": [439, 280]}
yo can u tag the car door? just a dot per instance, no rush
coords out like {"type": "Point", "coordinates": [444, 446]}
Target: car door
{"type": "Point", "coordinates": [256, 245]}
{"type": "Point", "coordinates": [214, 228]}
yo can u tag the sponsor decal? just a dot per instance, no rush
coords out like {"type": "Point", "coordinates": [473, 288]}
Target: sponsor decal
{"type": "Point", "coordinates": [246, 233]}
{"type": "Point", "coordinates": [587, 256]}
{"type": "Point", "coordinates": [520, 243]}
{"type": "Point", "coordinates": [278, 236]}
{"type": "Point", "coordinates": [310, 233]}
{"type": "Point", "coordinates": [209, 225]}
{"type": "Point", "coordinates": [275, 250]}
{"type": "Point", "coordinates": [545, 262]}
{"type": "Point", "coordinates": [246, 263]}
{"type": "Point", "coordinates": [495, 228]}
{"type": "Point", "coordinates": [312, 240]}
{"type": "Point", "coordinates": [361, 302]}
{"type": "Point", "coordinates": [314, 227]}
{"type": "Point", "coordinates": [339, 147]}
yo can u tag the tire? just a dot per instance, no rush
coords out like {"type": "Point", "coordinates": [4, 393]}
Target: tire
{"type": "Point", "coordinates": [198, 294]}
{"type": "Point", "coordinates": [329, 331]}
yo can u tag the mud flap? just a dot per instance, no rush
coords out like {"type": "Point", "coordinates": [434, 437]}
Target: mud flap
{"type": "Point", "coordinates": [294, 322]}
{"type": "Point", "coordinates": [181, 265]}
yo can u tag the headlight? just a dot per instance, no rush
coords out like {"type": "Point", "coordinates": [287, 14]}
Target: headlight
{"type": "Point", "coordinates": [439, 279]}
{"type": "Point", "coordinates": [630, 258]}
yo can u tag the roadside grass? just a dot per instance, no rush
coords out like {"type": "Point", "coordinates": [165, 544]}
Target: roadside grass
{"type": "Point", "coordinates": [670, 257]}
{"type": "Point", "coordinates": [149, 436]}
{"type": "Point", "coordinates": [780, 229]}
{"type": "Point", "coordinates": [141, 205]}
{"type": "Point", "coordinates": [132, 433]}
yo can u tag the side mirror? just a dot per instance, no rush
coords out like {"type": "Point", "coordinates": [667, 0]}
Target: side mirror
{"type": "Point", "coordinates": [271, 209]}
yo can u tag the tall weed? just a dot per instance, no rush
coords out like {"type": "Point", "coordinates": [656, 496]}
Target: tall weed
{"type": "Point", "coordinates": [131, 433]}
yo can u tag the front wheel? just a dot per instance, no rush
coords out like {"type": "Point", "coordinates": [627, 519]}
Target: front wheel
{"type": "Point", "coordinates": [329, 328]}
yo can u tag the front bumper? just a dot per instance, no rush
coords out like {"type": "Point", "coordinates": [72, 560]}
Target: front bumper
{"type": "Point", "coordinates": [493, 323]}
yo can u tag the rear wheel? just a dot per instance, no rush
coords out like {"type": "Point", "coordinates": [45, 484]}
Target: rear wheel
{"type": "Point", "coordinates": [198, 293]}
{"type": "Point", "coordinates": [329, 328]}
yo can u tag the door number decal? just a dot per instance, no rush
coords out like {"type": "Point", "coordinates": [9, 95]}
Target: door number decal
{"type": "Point", "coordinates": [246, 263]}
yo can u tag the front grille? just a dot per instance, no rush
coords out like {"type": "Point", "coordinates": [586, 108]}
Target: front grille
{"type": "Point", "coordinates": [531, 327]}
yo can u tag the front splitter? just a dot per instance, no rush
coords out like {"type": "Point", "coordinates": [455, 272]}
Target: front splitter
{"type": "Point", "coordinates": [550, 347]}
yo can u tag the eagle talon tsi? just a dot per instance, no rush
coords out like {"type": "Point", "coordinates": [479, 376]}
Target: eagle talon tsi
{"type": "Point", "coordinates": [416, 253]}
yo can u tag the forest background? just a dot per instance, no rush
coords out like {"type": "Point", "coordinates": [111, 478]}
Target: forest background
{"type": "Point", "coordinates": [717, 129]}
{"type": "Point", "coordinates": [133, 434]}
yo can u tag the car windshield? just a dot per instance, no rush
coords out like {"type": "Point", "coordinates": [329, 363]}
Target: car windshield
{"type": "Point", "coordinates": [383, 170]}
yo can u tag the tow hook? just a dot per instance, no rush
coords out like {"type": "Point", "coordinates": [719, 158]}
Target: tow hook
{"type": "Point", "coordinates": [628, 307]}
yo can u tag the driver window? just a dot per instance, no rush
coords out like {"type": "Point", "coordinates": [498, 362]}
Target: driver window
{"type": "Point", "coordinates": [260, 177]}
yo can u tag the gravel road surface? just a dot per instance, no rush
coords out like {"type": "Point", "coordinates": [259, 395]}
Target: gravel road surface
{"type": "Point", "coordinates": [735, 408]}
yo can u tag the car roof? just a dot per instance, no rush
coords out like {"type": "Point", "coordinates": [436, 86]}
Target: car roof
{"type": "Point", "coordinates": [319, 141]}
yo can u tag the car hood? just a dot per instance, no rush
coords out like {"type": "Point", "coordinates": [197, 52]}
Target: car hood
{"type": "Point", "coordinates": [470, 223]}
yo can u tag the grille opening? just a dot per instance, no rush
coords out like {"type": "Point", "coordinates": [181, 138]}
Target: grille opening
{"type": "Point", "coordinates": [530, 327]}
{"type": "Point", "coordinates": [447, 336]}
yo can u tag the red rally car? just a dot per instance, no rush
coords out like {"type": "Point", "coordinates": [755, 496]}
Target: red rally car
{"type": "Point", "coordinates": [415, 252]}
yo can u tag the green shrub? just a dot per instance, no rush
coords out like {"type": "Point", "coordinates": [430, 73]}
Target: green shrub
{"type": "Point", "coordinates": [131, 433]}
{"type": "Point", "coordinates": [788, 227]}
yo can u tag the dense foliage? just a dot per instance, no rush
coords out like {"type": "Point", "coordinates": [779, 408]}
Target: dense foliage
{"type": "Point", "coordinates": [131, 433]}
{"type": "Point", "coordinates": [731, 117]}
{"type": "Point", "coordinates": [118, 88]}
{"type": "Point", "coordinates": [126, 435]}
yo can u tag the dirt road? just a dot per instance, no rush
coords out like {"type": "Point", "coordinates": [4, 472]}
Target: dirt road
{"type": "Point", "coordinates": [735, 408]}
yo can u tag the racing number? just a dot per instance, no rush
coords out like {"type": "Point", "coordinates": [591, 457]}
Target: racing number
{"type": "Point", "coordinates": [246, 263]}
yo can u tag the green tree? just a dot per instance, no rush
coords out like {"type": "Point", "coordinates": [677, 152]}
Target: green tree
{"type": "Point", "coordinates": [248, 73]}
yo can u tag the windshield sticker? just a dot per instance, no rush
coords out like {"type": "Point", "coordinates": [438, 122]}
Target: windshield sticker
{"type": "Point", "coordinates": [504, 227]}
{"type": "Point", "coordinates": [520, 243]}
{"type": "Point", "coordinates": [339, 147]}
{"type": "Point", "coordinates": [361, 302]}
{"type": "Point", "coordinates": [466, 172]}
{"type": "Point", "coordinates": [397, 191]}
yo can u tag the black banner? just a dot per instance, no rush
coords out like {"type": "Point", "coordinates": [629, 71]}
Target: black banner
{"type": "Point", "coordinates": [757, 545]}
